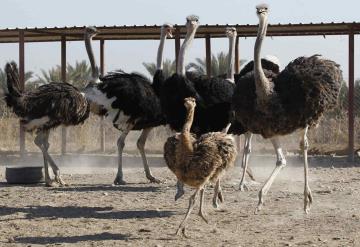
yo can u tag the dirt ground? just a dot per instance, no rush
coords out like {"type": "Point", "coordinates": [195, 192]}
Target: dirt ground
{"type": "Point", "coordinates": [92, 212]}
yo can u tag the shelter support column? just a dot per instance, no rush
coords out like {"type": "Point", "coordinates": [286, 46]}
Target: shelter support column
{"type": "Point", "coordinates": [102, 72]}
{"type": "Point", "coordinates": [63, 79]}
{"type": "Point", "coordinates": [22, 87]}
{"type": "Point", "coordinates": [208, 55]}
{"type": "Point", "coordinates": [351, 97]}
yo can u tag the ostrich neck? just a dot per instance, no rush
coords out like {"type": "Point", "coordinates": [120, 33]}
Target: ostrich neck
{"type": "Point", "coordinates": [184, 48]}
{"type": "Point", "coordinates": [263, 87]}
{"type": "Point", "coordinates": [94, 68]}
{"type": "Point", "coordinates": [185, 147]}
{"type": "Point", "coordinates": [231, 59]}
{"type": "Point", "coordinates": [159, 59]}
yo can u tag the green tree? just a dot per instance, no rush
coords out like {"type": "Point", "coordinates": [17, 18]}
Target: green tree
{"type": "Point", "coordinates": [219, 64]}
{"type": "Point", "coordinates": [169, 68]}
{"type": "Point", "coordinates": [78, 75]}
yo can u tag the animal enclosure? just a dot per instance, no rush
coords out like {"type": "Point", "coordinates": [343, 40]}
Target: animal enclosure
{"type": "Point", "coordinates": [336, 134]}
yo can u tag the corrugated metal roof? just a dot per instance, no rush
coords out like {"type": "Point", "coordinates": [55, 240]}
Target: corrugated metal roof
{"type": "Point", "coordinates": [145, 32]}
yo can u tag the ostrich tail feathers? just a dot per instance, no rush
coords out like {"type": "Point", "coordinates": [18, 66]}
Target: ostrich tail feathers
{"type": "Point", "coordinates": [12, 89]}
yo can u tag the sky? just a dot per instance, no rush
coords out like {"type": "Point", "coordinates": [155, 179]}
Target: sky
{"type": "Point", "coordinates": [129, 55]}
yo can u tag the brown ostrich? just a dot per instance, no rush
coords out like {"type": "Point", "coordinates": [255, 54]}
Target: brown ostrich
{"type": "Point", "coordinates": [277, 104]}
{"type": "Point", "coordinates": [196, 162]}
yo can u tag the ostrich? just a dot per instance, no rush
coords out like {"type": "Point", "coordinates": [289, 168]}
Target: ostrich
{"type": "Point", "coordinates": [213, 96]}
{"type": "Point", "coordinates": [129, 101]}
{"type": "Point", "coordinates": [196, 162]}
{"type": "Point", "coordinates": [272, 64]}
{"type": "Point", "coordinates": [43, 109]}
{"type": "Point", "coordinates": [274, 105]}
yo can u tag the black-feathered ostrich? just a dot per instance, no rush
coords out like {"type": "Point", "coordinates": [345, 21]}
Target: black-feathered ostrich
{"type": "Point", "coordinates": [273, 104]}
{"type": "Point", "coordinates": [213, 96]}
{"type": "Point", "coordinates": [129, 101]}
{"type": "Point", "coordinates": [43, 109]}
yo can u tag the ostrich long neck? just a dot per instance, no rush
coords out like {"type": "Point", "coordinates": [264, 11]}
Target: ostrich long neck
{"type": "Point", "coordinates": [89, 50]}
{"type": "Point", "coordinates": [185, 147]}
{"type": "Point", "coordinates": [159, 58]}
{"type": "Point", "coordinates": [263, 85]}
{"type": "Point", "coordinates": [231, 59]}
{"type": "Point", "coordinates": [184, 48]}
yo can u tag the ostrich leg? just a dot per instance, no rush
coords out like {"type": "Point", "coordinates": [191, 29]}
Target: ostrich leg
{"type": "Point", "coordinates": [121, 144]}
{"type": "Point", "coordinates": [280, 164]}
{"type": "Point", "coordinates": [217, 194]}
{"type": "Point", "coordinates": [141, 146]}
{"type": "Point", "coordinates": [201, 210]}
{"type": "Point", "coordinates": [52, 163]}
{"type": "Point", "coordinates": [245, 160]}
{"type": "Point", "coordinates": [308, 199]}
{"type": "Point", "coordinates": [190, 208]}
{"type": "Point", "coordinates": [39, 141]}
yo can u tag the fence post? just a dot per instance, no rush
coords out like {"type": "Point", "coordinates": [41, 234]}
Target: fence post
{"type": "Point", "coordinates": [351, 96]}
{"type": "Point", "coordinates": [63, 79]}
{"type": "Point", "coordinates": [22, 87]}
{"type": "Point", "coordinates": [208, 55]}
{"type": "Point", "coordinates": [177, 44]}
{"type": "Point", "coordinates": [102, 72]}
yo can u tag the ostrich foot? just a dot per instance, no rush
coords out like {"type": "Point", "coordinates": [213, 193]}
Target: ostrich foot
{"type": "Point", "coordinates": [119, 181]}
{"type": "Point", "coordinates": [219, 197]}
{"type": "Point", "coordinates": [60, 181]}
{"type": "Point", "coordinates": [243, 187]}
{"type": "Point", "coordinates": [51, 183]}
{"type": "Point", "coordinates": [260, 204]}
{"type": "Point", "coordinates": [183, 231]}
{"type": "Point", "coordinates": [202, 215]}
{"type": "Point", "coordinates": [153, 179]}
{"type": "Point", "coordinates": [308, 199]}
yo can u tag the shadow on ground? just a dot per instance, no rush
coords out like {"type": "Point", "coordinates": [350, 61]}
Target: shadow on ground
{"type": "Point", "coordinates": [106, 187]}
{"type": "Point", "coordinates": [72, 239]}
{"type": "Point", "coordinates": [82, 212]}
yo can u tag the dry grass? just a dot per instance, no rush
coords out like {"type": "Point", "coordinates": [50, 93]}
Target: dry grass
{"type": "Point", "coordinates": [331, 134]}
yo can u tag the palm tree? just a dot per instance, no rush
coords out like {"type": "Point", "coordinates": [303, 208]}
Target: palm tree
{"type": "Point", "coordinates": [169, 68]}
{"type": "Point", "coordinates": [218, 64]}
{"type": "Point", "coordinates": [77, 75]}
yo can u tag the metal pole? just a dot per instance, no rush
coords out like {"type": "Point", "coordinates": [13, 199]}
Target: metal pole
{"type": "Point", "coordinates": [208, 55]}
{"type": "Point", "coordinates": [351, 96]}
{"type": "Point", "coordinates": [237, 57]}
{"type": "Point", "coordinates": [22, 86]}
{"type": "Point", "coordinates": [63, 79]}
{"type": "Point", "coordinates": [177, 44]}
{"type": "Point", "coordinates": [102, 71]}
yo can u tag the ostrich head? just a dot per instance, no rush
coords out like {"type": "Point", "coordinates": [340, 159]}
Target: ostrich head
{"type": "Point", "coordinates": [192, 22]}
{"type": "Point", "coordinates": [262, 9]}
{"type": "Point", "coordinates": [167, 29]}
{"type": "Point", "coordinates": [91, 31]}
{"type": "Point", "coordinates": [189, 103]}
{"type": "Point", "coordinates": [230, 32]}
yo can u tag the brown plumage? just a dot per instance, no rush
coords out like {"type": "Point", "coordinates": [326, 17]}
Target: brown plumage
{"type": "Point", "coordinates": [44, 108]}
{"type": "Point", "coordinates": [277, 104]}
{"type": "Point", "coordinates": [195, 162]}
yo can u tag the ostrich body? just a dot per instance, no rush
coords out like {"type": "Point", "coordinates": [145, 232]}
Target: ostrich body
{"type": "Point", "coordinates": [196, 162]}
{"type": "Point", "coordinates": [43, 109]}
{"type": "Point", "coordinates": [273, 104]}
{"type": "Point", "coordinates": [213, 96]}
{"type": "Point", "coordinates": [129, 101]}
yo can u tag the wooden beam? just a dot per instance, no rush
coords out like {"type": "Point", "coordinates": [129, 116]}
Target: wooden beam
{"type": "Point", "coordinates": [63, 79]}
{"type": "Point", "coordinates": [177, 44]}
{"type": "Point", "coordinates": [351, 98]}
{"type": "Point", "coordinates": [22, 86]}
{"type": "Point", "coordinates": [102, 72]}
{"type": "Point", "coordinates": [208, 55]}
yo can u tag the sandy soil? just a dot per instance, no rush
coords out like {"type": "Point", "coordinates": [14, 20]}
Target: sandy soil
{"type": "Point", "coordinates": [91, 212]}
